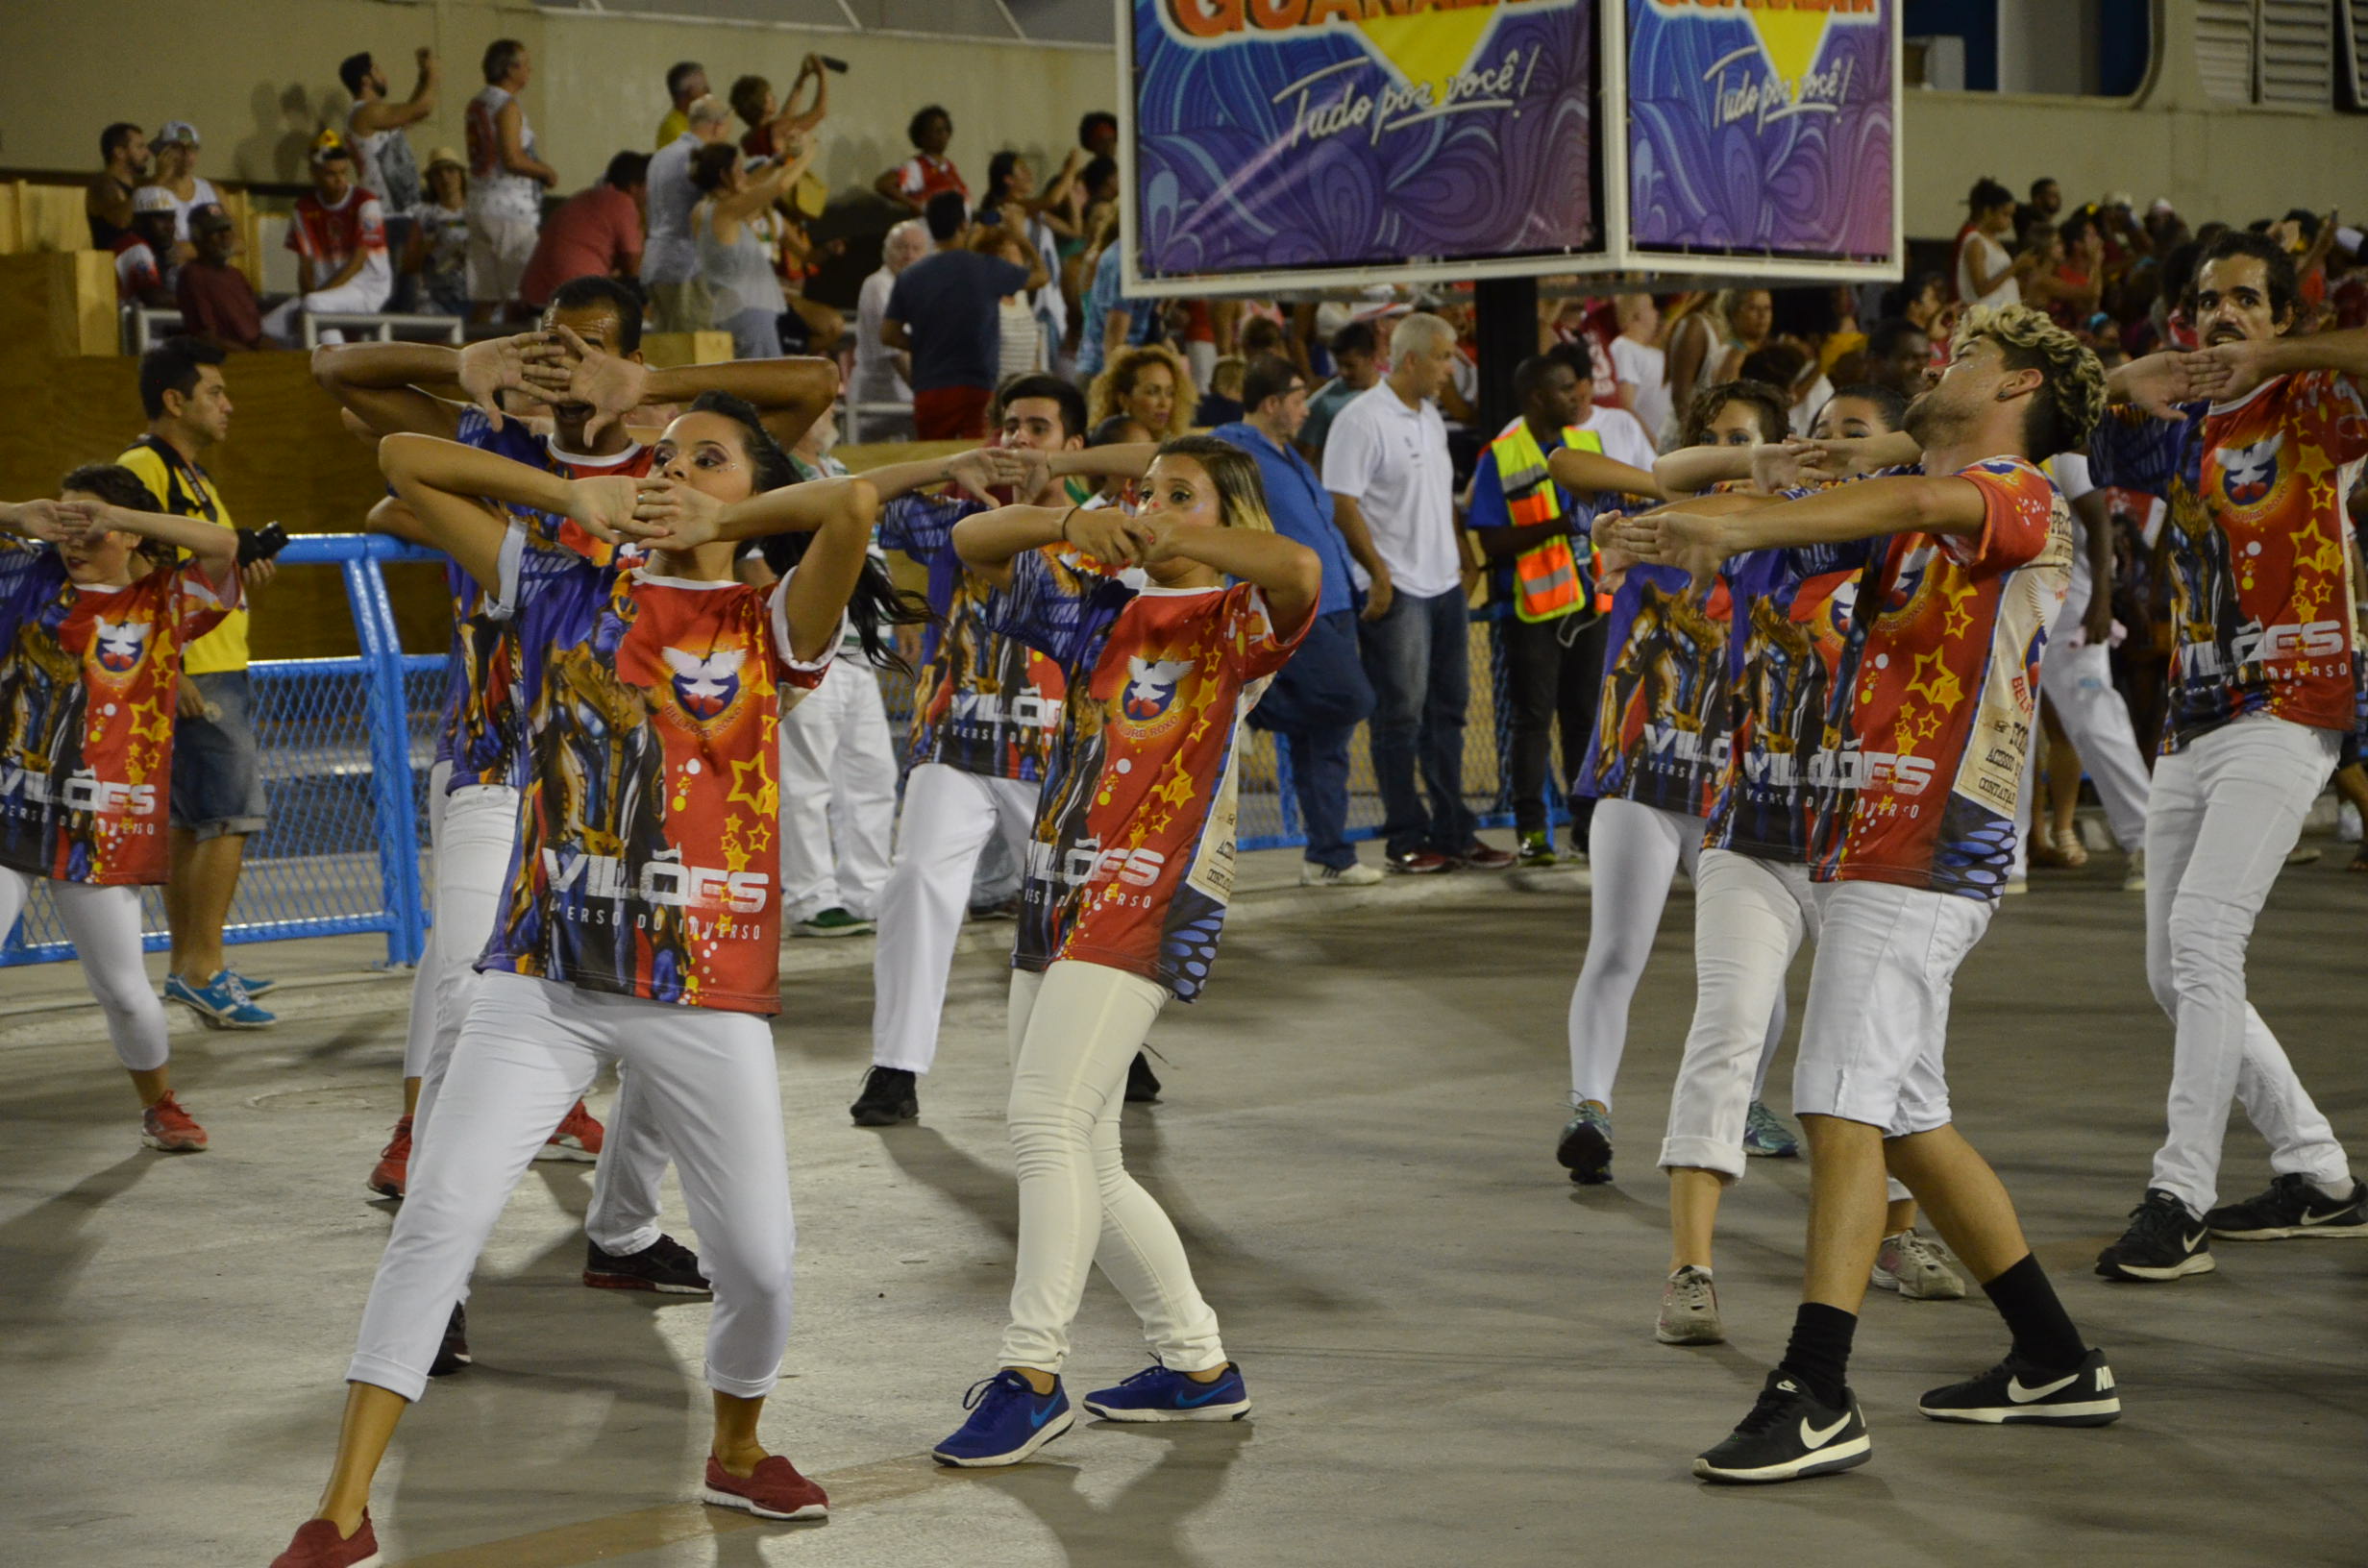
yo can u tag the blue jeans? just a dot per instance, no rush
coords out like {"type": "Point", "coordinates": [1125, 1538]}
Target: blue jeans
{"type": "Point", "coordinates": [1315, 705]}
{"type": "Point", "coordinates": [1418, 659]}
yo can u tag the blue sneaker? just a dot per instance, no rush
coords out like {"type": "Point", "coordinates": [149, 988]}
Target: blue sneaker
{"type": "Point", "coordinates": [1009, 1421]}
{"type": "Point", "coordinates": [220, 1003]}
{"type": "Point", "coordinates": [1585, 1148]}
{"type": "Point", "coordinates": [1766, 1134]}
{"type": "Point", "coordinates": [252, 985]}
{"type": "Point", "coordinates": [1157, 1394]}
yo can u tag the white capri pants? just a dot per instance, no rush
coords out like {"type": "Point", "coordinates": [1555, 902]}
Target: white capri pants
{"type": "Point", "coordinates": [1632, 852]}
{"type": "Point", "coordinates": [950, 817]}
{"type": "Point", "coordinates": [1749, 916]}
{"type": "Point", "coordinates": [838, 795]}
{"type": "Point", "coordinates": [103, 923]}
{"type": "Point", "coordinates": [1874, 1034]}
{"type": "Point", "coordinates": [709, 1085]}
{"type": "Point", "coordinates": [2225, 814]}
{"type": "Point", "coordinates": [1074, 1029]}
{"type": "Point", "coordinates": [359, 296]}
{"type": "Point", "coordinates": [472, 835]}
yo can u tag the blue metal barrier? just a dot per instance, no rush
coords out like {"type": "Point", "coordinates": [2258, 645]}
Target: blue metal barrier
{"type": "Point", "coordinates": [342, 746]}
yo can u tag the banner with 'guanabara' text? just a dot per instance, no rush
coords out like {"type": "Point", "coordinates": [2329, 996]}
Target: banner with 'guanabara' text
{"type": "Point", "coordinates": [1762, 127]}
{"type": "Point", "coordinates": [1295, 136]}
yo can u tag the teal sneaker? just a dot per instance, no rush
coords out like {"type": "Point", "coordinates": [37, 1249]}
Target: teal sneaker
{"type": "Point", "coordinates": [220, 1003]}
{"type": "Point", "coordinates": [252, 985]}
{"type": "Point", "coordinates": [1766, 1134]}
{"type": "Point", "coordinates": [1585, 1147]}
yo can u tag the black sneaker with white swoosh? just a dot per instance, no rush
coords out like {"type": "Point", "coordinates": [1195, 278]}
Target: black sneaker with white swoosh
{"type": "Point", "coordinates": [2292, 1207]}
{"type": "Point", "coordinates": [2019, 1392]}
{"type": "Point", "coordinates": [2163, 1242]}
{"type": "Point", "coordinates": [1790, 1435]}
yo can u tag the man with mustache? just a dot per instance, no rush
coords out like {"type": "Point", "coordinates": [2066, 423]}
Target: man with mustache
{"type": "Point", "coordinates": [2264, 685]}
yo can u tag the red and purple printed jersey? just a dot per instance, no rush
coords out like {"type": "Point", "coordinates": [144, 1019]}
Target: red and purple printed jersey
{"type": "Point", "coordinates": [1660, 720]}
{"type": "Point", "coordinates": [984, 703]}
{"type": "Point", "coordinates": [2261, 592]}
{"type": "Point", "coordinates": [1130, 865]}
{"type": "Point", "coordinates": [648, 808]}
{"type": "Point", "coordinates": [1934, 692]}
{"type": "Point", "coordinates": [89, 682]}
{"type": "Point", "coordinates": [480, 729]}
{"type": "Point", "coordinates": [1792, 620]}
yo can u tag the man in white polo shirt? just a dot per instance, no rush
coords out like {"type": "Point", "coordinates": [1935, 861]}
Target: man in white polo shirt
{"type": "Point", "coordinates": [1386, 458]}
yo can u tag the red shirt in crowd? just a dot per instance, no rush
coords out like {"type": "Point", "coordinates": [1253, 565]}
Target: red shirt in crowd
{"type": "Point", "coordinates": [330, 236]}
{"type": "Point", "coordinates": [595, 232]}
{"type": "Point", "coordinates": [217, 303]}
{"type": "Point", "coordinates": [921, 177]}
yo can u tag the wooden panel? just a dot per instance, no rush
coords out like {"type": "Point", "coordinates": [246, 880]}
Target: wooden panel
{"type": "Point", "coordinates": [11, 203]}
{"type": "Point", "coordinates": [668, 350]}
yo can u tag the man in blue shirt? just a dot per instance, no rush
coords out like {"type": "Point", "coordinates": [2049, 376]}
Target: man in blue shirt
{"type": "Point", "coordinates": [1112, 321]}
{"type": "Point", "coordinates": [1320, 696]}
{"type": "Point", "coordinates": [945, 311]}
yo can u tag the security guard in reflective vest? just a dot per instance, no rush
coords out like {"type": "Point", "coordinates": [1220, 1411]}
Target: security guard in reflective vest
{"type": "Point", "coordinates": [1549, 614]}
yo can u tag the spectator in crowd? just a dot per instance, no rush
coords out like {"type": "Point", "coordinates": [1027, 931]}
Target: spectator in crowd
{"type": "Point", "coordinates": [1922, 299]}
{"type": "Point", "coordinates": [1356, 369]}
{"type": "Point", "coordinates": [686, 83]}
{"type": "Point", "coordinates": [144, 250]}
{"type": "Point", "coordinates": [1020, 341]}
{"type": "Point", "coordinates": [437, 252]}
{"type": "Point", "coordinates": [679, 300]}
{"type": "Point", "coordinates": [1387, 459]}
{"type": "Point", "coordinates": [1149, 384]}
{"type": "Point", "coordinates": [929, 172]}
{"type": "Point", "coordinates": [1098, 133]}
{"type": "Point", "coordinates": [107, 201]}
{"type": "Point", "coordinates": [217, 785]}
{"type": "Point", "coordinates": [1751, 317]}
{"type": "Point", "coordinates": [1695, 333]}
{"type": "Point", "coordinates": [175, 146]}
{"type": "Point", "coordinates": [2046, 206]}
{"type": "Point", "coordinates": [1898, 353]}
{"type": "Point", "coordinates": [2070, 284]}
{"type": "Point", "coordinates": [1221, 404]}
{"type": "Point", "coordinates": [1554, 639]}
{"type": "Point", "coordinates": [880, 371]}
{"type": "Point", "coordinates": [595, 232]}
{"type": "Point", "coordinates": [340, 238]}
{"type": "Point", "coordinates": [731, 226]}
{"type": "Point", "coordinates": [217, 303]}
{"type": "Point", "coordinates": [944, 311]}
{"type": "Point", "coordinates": [1987, 273]}
{"type": "Point", "coordinates": [507, 181]}
{"type": "Point", "coordinates": [1319, 698]}
{"type": "Point", "coordinates": [373, 127]}
{"type": "Point", "coordinates": [773, 127]}
{"type": "Point", "coordinates": [1111, 321]}
{"type": "Point", "coordinates": [1099, 183]}
{"type": "Point", "coordinates": [1641, 366]}
{"type": "Point", "coordinates": [1047, 219]}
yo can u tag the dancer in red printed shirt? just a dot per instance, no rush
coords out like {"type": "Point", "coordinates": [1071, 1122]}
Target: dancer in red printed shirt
{"type": "Point", "coordinates": [2264, 681]}
{"type": "Point", "coordinates": [1931, 711]}
{"type": "Point", "coordinates": [94, 610]}
{"type": "Point", "coordinates": [643, 921]}
{"type": "Point", "coordinates": [1129, 870]}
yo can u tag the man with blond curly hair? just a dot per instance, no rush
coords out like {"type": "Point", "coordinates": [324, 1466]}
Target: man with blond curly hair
{"type": "Point", "coordinates": [1965, 563]}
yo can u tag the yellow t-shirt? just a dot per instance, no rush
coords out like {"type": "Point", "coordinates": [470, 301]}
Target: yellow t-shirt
{"type": "Point", "coordinates": [225, 647]}
{"type": "Point", "coordinates": [670, 128]}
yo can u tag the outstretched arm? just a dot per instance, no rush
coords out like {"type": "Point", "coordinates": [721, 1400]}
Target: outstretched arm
{"type": "Point", "coordinates": [451, 489]}
{"type": "Point", "coordinates": [214, 548]}
{"type": "Point", "coordinates": [1575, 469]}
{"type": "Point", "coordinates": [2231, 370]}
{"type": "Point", "coordinates": [788, 394]}
{"type": "Point", "coordinates": [990, 542]}
{"type": "Point", "coordinates": [1906, 504]}
{"type": "Point", "coordinates": [385, 384]}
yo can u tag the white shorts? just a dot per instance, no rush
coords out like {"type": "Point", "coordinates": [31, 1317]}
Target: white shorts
{"type": "Point", "coordinates": [1875, 1028]}
{"type": "Point", "coordinates": [499, 251]}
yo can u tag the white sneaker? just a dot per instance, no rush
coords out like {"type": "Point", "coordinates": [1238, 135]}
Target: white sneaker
{"type": "Point", "coordinates": [1356, 875]}
{"type": "Point", "coordinates": [1690, 1309]}
{"type": "Point", "coordinates": [2347, 824]}
{"type": "Point", "coordinates": [1915, 1268]}
{"type": "Point", "coordinates": [2134, 879]}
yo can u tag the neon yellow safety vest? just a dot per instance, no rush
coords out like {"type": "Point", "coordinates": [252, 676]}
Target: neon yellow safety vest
{"type": "Point", "coordinates": [1546, 584]}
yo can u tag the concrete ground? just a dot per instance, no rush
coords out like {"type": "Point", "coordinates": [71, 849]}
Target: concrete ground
{"type": "Point", "coordinates": [1450, 1346]}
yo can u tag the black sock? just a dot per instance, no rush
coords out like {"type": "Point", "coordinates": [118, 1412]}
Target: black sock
{"type": "Point", "coordinates": [1818, 1355]}
{"type": "Point", "coordinates": [2042, 1329]}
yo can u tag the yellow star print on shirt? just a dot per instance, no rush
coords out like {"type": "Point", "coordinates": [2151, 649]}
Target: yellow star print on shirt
{"type": "Point", "coordinates": [1934, 681]}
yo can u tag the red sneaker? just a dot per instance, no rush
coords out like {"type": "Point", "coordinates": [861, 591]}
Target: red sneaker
{"type": "Point", "coordinates": [165, 1125]}
{"type": "Point", "coordinates": [394, 1162]}
{"type": "Point", "coordinates": [775, 1490]}
{"type": "Point", "coordinates": [577, 1136]}
{"type": "Point", "coordinates": [1486, 857]}
{"type": "Point", "coordinates": [318, 1545]}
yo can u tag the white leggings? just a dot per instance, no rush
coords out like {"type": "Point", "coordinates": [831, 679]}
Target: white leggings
{"type": "Point", "coordinates": [1632, 852]}
{"type": "Point", "coordinates": [950, 817]}
{"type": "Point", "coordinates": [1074, 1031]}
{"type": "Point", "coordinates": [706, 1083]}
{"type": "Point", "coordinates": [2079, 682]}
{"type": "Point", "coordinates": [472, 833]}
{"type": "Point", "coordinates": [838, 795]}
{"type": "Point", "coordinates": [103, 923]}
{"type": "Point", "coordinates": [2223, 816]}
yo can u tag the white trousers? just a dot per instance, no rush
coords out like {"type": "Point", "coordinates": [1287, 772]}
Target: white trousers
{"type": "Point", "coordinates": [1632, 852]}
{"type": "Point", "coordinates": [838, 795]}
{"type": "Point", "coordinates": [1749, 916]}
{"type": "Point", "coordinates": [1074, 1031]}
{"type": "Point", "coordinates": [103, 923]}
{"type": "Point", "coordinates": [1875, 1031]}
{"type": "Point", "coordinates": [472, 834]}
{"type": "Point", "coordinates": [948, 817]}
{"type": "Point", "coordinates": [2079, 683]}
{"type": "Point", "coordinates": [707, 1085]}
{"type": "Point", "coordinates": [358, 297]}
{"type": "Point", "coordinates": [2223, 816]}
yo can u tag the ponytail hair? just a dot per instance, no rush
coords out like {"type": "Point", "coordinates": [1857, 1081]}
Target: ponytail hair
{"type": "Point", "coordinates": [877, 604]}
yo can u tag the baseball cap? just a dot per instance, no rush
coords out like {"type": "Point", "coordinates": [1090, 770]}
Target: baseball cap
{"type": "Point", "coordinates": [2120, 198]}
{"type": "Point", "coordinates": [330, 145]}
{"type": "Point", "coordinates": [209, 215]}
{"type": "Point", "coordinates": [172, 131]}
{"type": "Point", "coordinates": [152, 199]}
